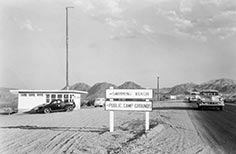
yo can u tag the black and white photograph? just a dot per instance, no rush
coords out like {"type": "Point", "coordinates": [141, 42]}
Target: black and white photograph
{"type": "Point", "coordinates": [117, 77]}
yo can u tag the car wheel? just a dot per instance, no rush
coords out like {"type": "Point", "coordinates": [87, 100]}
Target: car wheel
{"type": "Point", "coordinates": [69, 109]}
{"type": "Point", "coordinates": [46, 110]}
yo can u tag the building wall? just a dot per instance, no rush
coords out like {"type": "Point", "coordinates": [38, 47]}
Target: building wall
{"type": "Point", "coordinates": [27, 101]}
{"type": "Point", "coordinates": [77, 101]}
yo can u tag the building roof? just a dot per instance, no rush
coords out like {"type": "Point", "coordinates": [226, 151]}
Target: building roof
{"type": "Point", "coordinates": [48, 91]}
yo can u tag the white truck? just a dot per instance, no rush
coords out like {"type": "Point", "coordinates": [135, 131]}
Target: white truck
{"type": "Point", "coordinates": [210, 98]}
{"type": "Point", "coordinates": [193, 97]}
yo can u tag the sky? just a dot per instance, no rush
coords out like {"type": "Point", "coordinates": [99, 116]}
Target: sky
{"type": "Point", "coordinates": [116, 41]}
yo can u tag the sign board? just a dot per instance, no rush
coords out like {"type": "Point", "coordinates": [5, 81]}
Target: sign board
{"type": "Point", "coordinates": [128, 100]}
{"type": "Point", "coordinates": [128, 106]}
{"type": "Point", "coordinates": [129, 94]}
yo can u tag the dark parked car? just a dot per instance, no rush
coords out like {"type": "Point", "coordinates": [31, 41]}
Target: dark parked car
{"type": "Point", "coordinates": [55, 106]}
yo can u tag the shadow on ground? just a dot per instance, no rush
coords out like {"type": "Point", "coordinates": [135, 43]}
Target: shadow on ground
{"type": "Point", "coordinates": [175, 108]}
{"type": "Point", "coordinates": [72, 129]}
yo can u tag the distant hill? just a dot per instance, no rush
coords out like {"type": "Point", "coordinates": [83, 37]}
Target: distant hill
{"type": "Point", "coordinates": [164, 90]}
{"type": "Point", "coordinates": [182, 89]}
{"type": "Point", "coordinates": [225, 86]}
{"type": "Point", "coordinates": [130, 85]}
{"type": "Point", "coordinates": [80, 87]}
{"type": "Point", "coordinates": [7, 98]}
{"type": "Point", "coordinates": [98, 90]}
{"type": "Point", "coordinates": [3, 89]}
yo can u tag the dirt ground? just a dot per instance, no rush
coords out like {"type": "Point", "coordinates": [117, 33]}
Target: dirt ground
{"type": "Point", "coordinates": [86, 131]}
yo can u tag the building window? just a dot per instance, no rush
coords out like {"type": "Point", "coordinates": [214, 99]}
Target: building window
{"type": "Point", "coordinates": [31, 94]}
{"type": "Point", "coordinates": [59, 96]}
{"type": "Point", "coordinates": [24, 94]}
{"type": "Point", "coordinates": [53, 96]}
{"type": "Point", "coordinates": [39, 94]}
{"type": "Point", "coordinates": [66, 98]}
{"type": "Point", "coordinates": [48, 98]}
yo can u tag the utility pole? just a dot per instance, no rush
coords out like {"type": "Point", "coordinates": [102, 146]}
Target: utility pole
{"type": "Point", "coordinates": [158, 91]}
{"type": "Point", "coordinates": [67, 46]}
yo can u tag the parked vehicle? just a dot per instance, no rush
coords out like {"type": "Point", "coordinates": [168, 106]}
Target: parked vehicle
{"type": "Point", "coordinates": [56, 105]}
{"type": "Point", "coordinates": [99, 102]}
{"type": "Point", "coordinates": [210, 98]}
{"type": "Point", "coordinates": [230, 99]}
{"type": "Point", "coordinates": [8, 110]}
{"type": "Point", "coordinates": [193, 97]}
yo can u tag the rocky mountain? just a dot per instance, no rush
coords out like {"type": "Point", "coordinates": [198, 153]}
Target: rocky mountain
{"type": "Point", "coordinates": [6, 97]}
{"type": "Point", "coordinates": [130, 85]}
{"type": "Point", "coordinates": [182, 89]}
{"type": "Point", "coordinates": [98, 90]}
{"type": "Point", "coordinates": [225, 86]}
{"type": "Point", "coordinates": [80, 87]}
{"type": "Point", "coordinates": [164, 90]}
{"type": "Point", "coordinates": [7, 90]}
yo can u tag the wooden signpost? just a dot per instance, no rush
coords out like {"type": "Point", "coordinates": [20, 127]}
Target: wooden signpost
{"type": "Point", "coordinates": [128, 100]}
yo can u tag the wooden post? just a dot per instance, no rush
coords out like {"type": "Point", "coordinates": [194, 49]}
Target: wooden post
{"type": "Point", "coordinates": [146, 121]}
{"type": "Point", "coordinates": [111, 121]}
{"type": "Point", "coordinates": [111, 117]}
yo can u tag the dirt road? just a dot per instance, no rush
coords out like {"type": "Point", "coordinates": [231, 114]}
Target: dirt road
{"type": "Point", "coordinates": [86, 131]}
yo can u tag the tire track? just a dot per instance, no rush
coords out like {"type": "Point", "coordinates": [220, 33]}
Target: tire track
{"type": "Point", "coordinates": [29, 143]}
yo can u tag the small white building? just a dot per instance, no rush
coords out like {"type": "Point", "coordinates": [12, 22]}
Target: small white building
{"type": "Point", "coordinates": [173, 97]}
{"type": "Point", "coordinates": [28, 99]}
